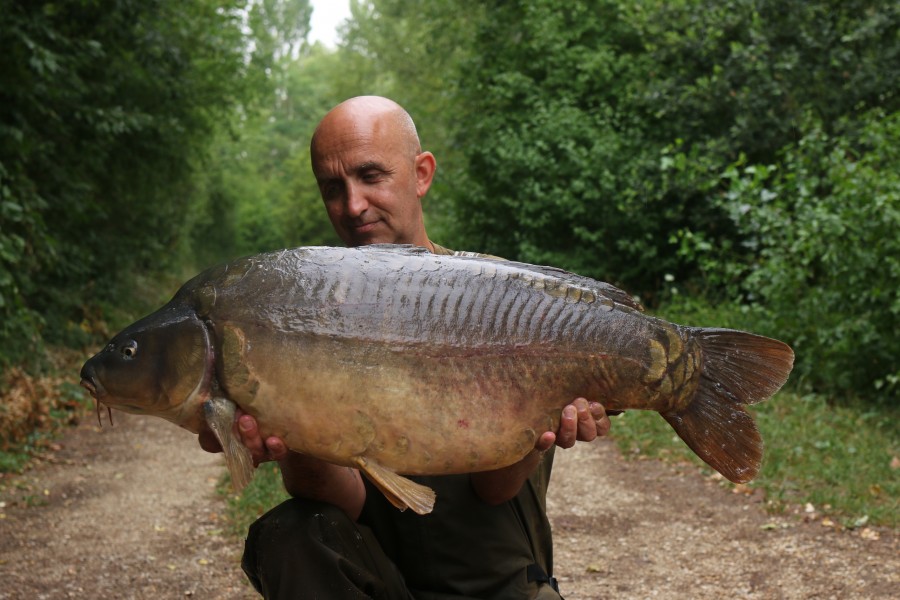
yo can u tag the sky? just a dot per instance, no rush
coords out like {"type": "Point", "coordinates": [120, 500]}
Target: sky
{"type": "Point", "coordinates": [326, 16]}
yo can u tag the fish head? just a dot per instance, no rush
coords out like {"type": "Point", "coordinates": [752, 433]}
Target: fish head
{"type": "Point", "coordinates": [161, 365]}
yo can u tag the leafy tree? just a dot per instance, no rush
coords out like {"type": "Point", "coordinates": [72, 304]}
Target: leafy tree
{"type": "Point", "coordinates": [601, 125]}
{"type": "Point", "coordinates": [261, 194]}
{"type": "Point", "coordinates": [108, 106]}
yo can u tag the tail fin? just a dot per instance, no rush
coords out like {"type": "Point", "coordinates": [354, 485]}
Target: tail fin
{"type": "Point", "coordinates": [737, 368]}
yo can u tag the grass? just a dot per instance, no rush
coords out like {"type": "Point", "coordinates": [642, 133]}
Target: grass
{"type": "Point", "coordinates": [841, 459]}
{"type": "Point", "coordinates": [840, 455]}
{"type": "Point", "coordinates": [265, 491]}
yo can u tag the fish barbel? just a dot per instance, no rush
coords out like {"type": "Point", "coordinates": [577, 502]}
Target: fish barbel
{"type": "Point", "coordinates": [400, 362]}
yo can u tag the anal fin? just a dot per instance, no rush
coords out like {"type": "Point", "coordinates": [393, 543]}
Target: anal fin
{"type": "Point", "coordinates": [400, 491]}
{"type": "Point", "coordinates": [219, 413]}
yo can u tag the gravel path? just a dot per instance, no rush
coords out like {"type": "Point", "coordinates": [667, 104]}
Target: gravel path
{"type": "Point", "coordinates": [130, 511]}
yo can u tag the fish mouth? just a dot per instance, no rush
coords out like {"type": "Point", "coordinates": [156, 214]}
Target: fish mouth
{"type": "Point", "coordinates": [94, 387]}
{"type": "Point", "coordinates": [96, 390]}
{"type": "Point", "coordinates": [90, 386]}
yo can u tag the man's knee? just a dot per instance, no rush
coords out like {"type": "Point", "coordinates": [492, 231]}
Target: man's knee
{"type": "Point", "coordinates": [288, 540]}
{"type": "Point", "coordinates": [302, 545]}
{"type": "Point", "coordinates": [296, 520]}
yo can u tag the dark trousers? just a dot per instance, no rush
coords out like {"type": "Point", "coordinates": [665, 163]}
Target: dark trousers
{"type": "Point", "coordinates": [304, 549]}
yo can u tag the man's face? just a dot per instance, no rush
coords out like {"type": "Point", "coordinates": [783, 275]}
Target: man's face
{"type": "Point", "coordinates": [370, 182]}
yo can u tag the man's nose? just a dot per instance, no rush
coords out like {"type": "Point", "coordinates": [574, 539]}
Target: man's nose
{"type": "Point", "coordinates": [356, 200]}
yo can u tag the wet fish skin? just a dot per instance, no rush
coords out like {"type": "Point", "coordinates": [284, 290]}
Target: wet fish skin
{"type": "Point", "coordinates": [395, 360]}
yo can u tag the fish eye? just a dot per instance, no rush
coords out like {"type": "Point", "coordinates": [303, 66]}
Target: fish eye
{"type": "Point", "coordinates": [129, 349]}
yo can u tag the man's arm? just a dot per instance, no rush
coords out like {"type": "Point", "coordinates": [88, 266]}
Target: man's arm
{"type": "Point", "coordinates": [580, 421]}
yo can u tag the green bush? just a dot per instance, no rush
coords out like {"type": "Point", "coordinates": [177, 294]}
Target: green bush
{"type": "Point", "coordinates": [824, 272]}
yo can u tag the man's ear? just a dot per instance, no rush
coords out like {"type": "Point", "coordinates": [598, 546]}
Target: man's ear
{"type": "Point", "coordinates": [425, 168]}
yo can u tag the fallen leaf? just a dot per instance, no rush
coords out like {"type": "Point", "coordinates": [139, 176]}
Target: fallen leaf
{"type": "Point", "coordinates": [740, 488]}
{"type": "Point", "coordinates": [869, 534]}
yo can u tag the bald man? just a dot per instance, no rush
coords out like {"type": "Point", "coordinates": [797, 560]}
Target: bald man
{"type": "Point", "coordinates": [338, 537]}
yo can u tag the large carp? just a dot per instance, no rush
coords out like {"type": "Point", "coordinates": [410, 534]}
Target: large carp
{"type": "Point", "coordinates": [397, 361]}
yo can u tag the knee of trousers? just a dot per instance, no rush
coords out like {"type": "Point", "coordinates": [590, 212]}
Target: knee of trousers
{"type": "Point", "coordinates": [296, 523]}
{"type": "Point", "coordinates": [302, 544]}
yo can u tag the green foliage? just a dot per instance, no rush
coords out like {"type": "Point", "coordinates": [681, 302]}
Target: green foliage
{"type": "Point", "coordinates": [550, 175]}
{"type": "Point", "coordinates": [834, 456]}
{"type": "Point", "coordinates": [596, 131]}
{"type": "Point", "coordinates": [825, 268]}
{"type": "Point", "coordinates": [259, 191]}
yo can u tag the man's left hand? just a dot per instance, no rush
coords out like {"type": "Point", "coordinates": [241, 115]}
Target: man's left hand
{"type": "Point", "coordinates": [581, 421]}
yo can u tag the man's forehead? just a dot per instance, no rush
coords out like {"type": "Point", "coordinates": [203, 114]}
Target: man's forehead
{"type": "Point", "coordinates": [336, 169]}
{"type": "Point", "coordinates": [350, 158]}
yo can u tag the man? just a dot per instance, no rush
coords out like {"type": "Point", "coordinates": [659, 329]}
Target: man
{"type": "Point", "coordinates": [488, 536]}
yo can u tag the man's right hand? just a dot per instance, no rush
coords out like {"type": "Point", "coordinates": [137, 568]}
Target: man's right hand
{"type": "Point", "coordinates": [272, 448]}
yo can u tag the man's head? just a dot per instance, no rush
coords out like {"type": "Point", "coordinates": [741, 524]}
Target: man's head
{"type": "Point", "coordinates": [372, 173]}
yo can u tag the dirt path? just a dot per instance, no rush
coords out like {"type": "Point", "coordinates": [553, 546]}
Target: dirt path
{"type": "Point", "coordinates": [130, 512]}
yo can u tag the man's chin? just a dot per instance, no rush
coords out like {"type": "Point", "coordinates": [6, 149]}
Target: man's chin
{"type": "Point", "coordinates": [366, 238]}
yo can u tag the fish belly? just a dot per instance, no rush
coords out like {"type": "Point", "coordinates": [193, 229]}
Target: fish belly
{"type": "Point", "coordinates": [415, 409]}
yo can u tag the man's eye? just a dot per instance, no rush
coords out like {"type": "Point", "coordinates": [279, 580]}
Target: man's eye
{"type": "Point", "coordinates": [330, 190]}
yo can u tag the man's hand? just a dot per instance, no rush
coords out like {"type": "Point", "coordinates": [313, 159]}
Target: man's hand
{"type": "Point", "coordinates": [581, 421]}
{"type": "Point", "coordinates": [272, 448]}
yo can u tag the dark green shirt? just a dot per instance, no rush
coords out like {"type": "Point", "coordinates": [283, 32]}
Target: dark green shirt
{"type": "Point", "coordinates": [466, 548]}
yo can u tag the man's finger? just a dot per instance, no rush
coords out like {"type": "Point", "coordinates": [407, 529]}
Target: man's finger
{"type": "Point", "coordinates": [250, 438]}
{"type": "Point", "coordinates": [601, 419]}
{"type": "Point", "coordinates": [275, 448]}
{"type": "Point", "coordinates": [568, 427]}
{"type": "Point", "coordinates": [587, 423]}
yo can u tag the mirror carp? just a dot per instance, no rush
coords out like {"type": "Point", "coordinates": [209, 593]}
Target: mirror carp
{"type": "Point", "coordinates": [398, 362]}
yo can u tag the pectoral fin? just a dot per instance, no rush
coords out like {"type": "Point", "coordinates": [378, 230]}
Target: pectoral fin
{"type": "Point", "coordinates": [219, 413]}
{"type": "Point", "coordinates": [400, 491]}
